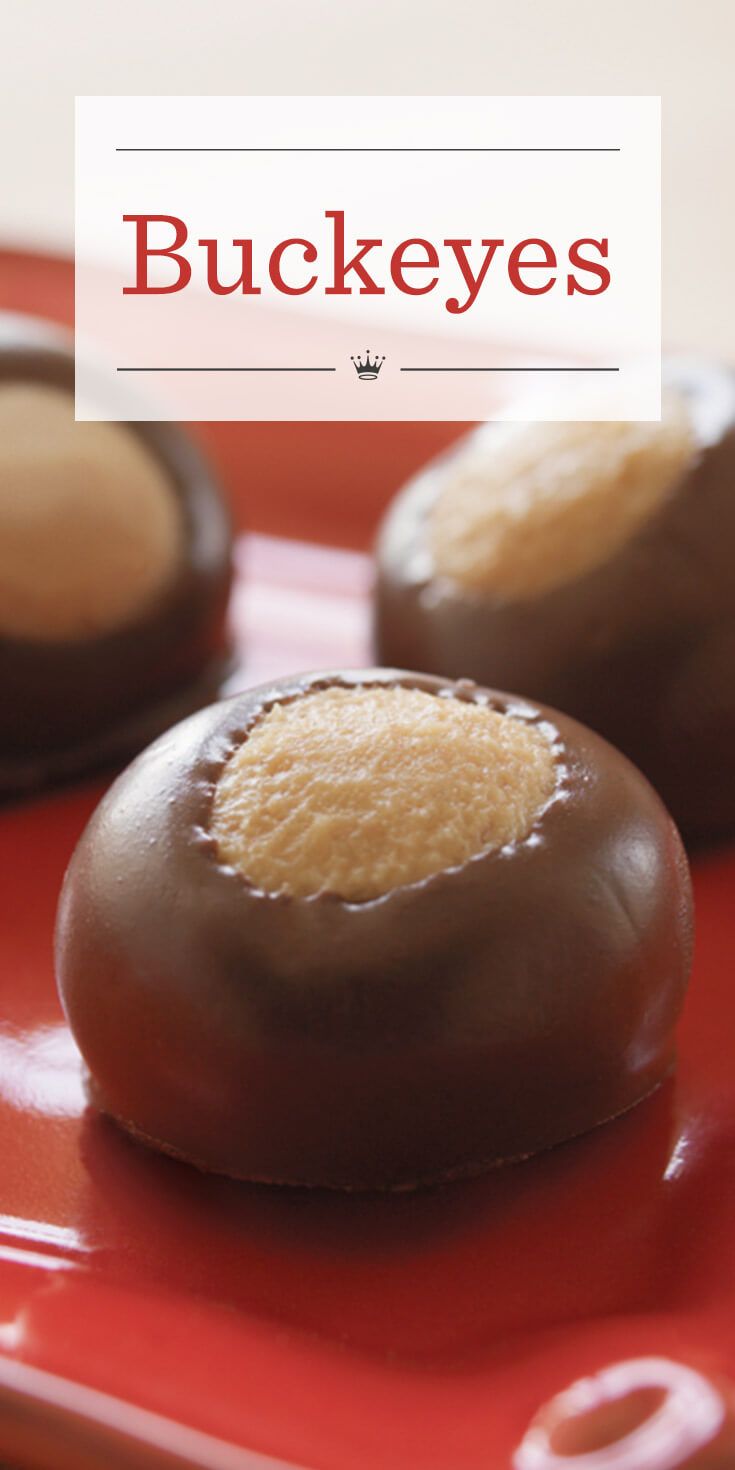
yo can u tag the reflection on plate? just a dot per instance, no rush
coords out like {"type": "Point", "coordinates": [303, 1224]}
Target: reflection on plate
{"type": "Point", "coordinates": [416, 1332]}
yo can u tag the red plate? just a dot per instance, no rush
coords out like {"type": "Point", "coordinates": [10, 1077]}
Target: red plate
{"type": "Point", "coordinates": [153, 1316]}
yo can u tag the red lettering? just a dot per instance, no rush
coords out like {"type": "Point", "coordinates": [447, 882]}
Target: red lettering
{"type": "Point", "coordinates": [398, 264]}
{"type": "Point", "coordinates": [415, 266]}
{"type": "Point", "coordinates": [516, 264]}
{"type": "Point", "coordinates": [580, 262]}
{"type": "Point", "coordinates": [143, 251]}
{"type": "Point", "coordinates": [472, 282]}
{"type": "Point", "coordinates": [341, 267]}
{"type": "Point", "coordinates": [244, 280]}
{"type": "Point", "coordinates": [274, 266]}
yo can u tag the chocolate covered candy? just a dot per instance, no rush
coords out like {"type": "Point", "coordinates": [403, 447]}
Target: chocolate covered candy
{"type": "Point", "coordinates": [114, 572]}
{"type": "Point", "coordinates": [372, 929]}
{"type": "Point", "coordinates": [591, 566]}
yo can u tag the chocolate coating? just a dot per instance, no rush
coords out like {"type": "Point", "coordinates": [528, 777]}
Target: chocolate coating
{"type": "Point", "coordinates": [478, 1015]}
{"type": "Point", "coordinates": [72, 704]}
{"type": "Point", "coordinates": [641, 648]}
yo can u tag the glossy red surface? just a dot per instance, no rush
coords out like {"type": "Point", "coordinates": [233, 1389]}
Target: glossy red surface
{"type": "Point", "coordinates": [650, 1412]}
{"type": "Point", "coordinates": [417, 1332]}
{"type": "Point", "coordinates": [413, 1332]}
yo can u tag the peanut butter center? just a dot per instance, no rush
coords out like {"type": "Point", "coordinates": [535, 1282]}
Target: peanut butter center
{"type": "Point", "coordinates": [530, 507]}
{"type": "Point", "coordinates": [90, 527]}
{"type": "Point", "coordinates": [358, 791]}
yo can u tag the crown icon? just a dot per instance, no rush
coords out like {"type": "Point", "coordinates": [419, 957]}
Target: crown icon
{"type": "Point", "coordinates": [367, 369]}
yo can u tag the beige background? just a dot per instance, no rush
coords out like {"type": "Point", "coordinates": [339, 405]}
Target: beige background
{"type": "Point", "coordinates": [680, 49]}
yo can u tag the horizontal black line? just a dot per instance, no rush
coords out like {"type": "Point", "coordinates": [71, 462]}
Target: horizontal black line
{"type": "Point", "coordinates": [341, 149]}
{"type": "Point", "coordinates": [333, 370]}
{"type": "Point", "coordinates": [510, 369]}
{"type": "Point", "coordinates": [226, 370]}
